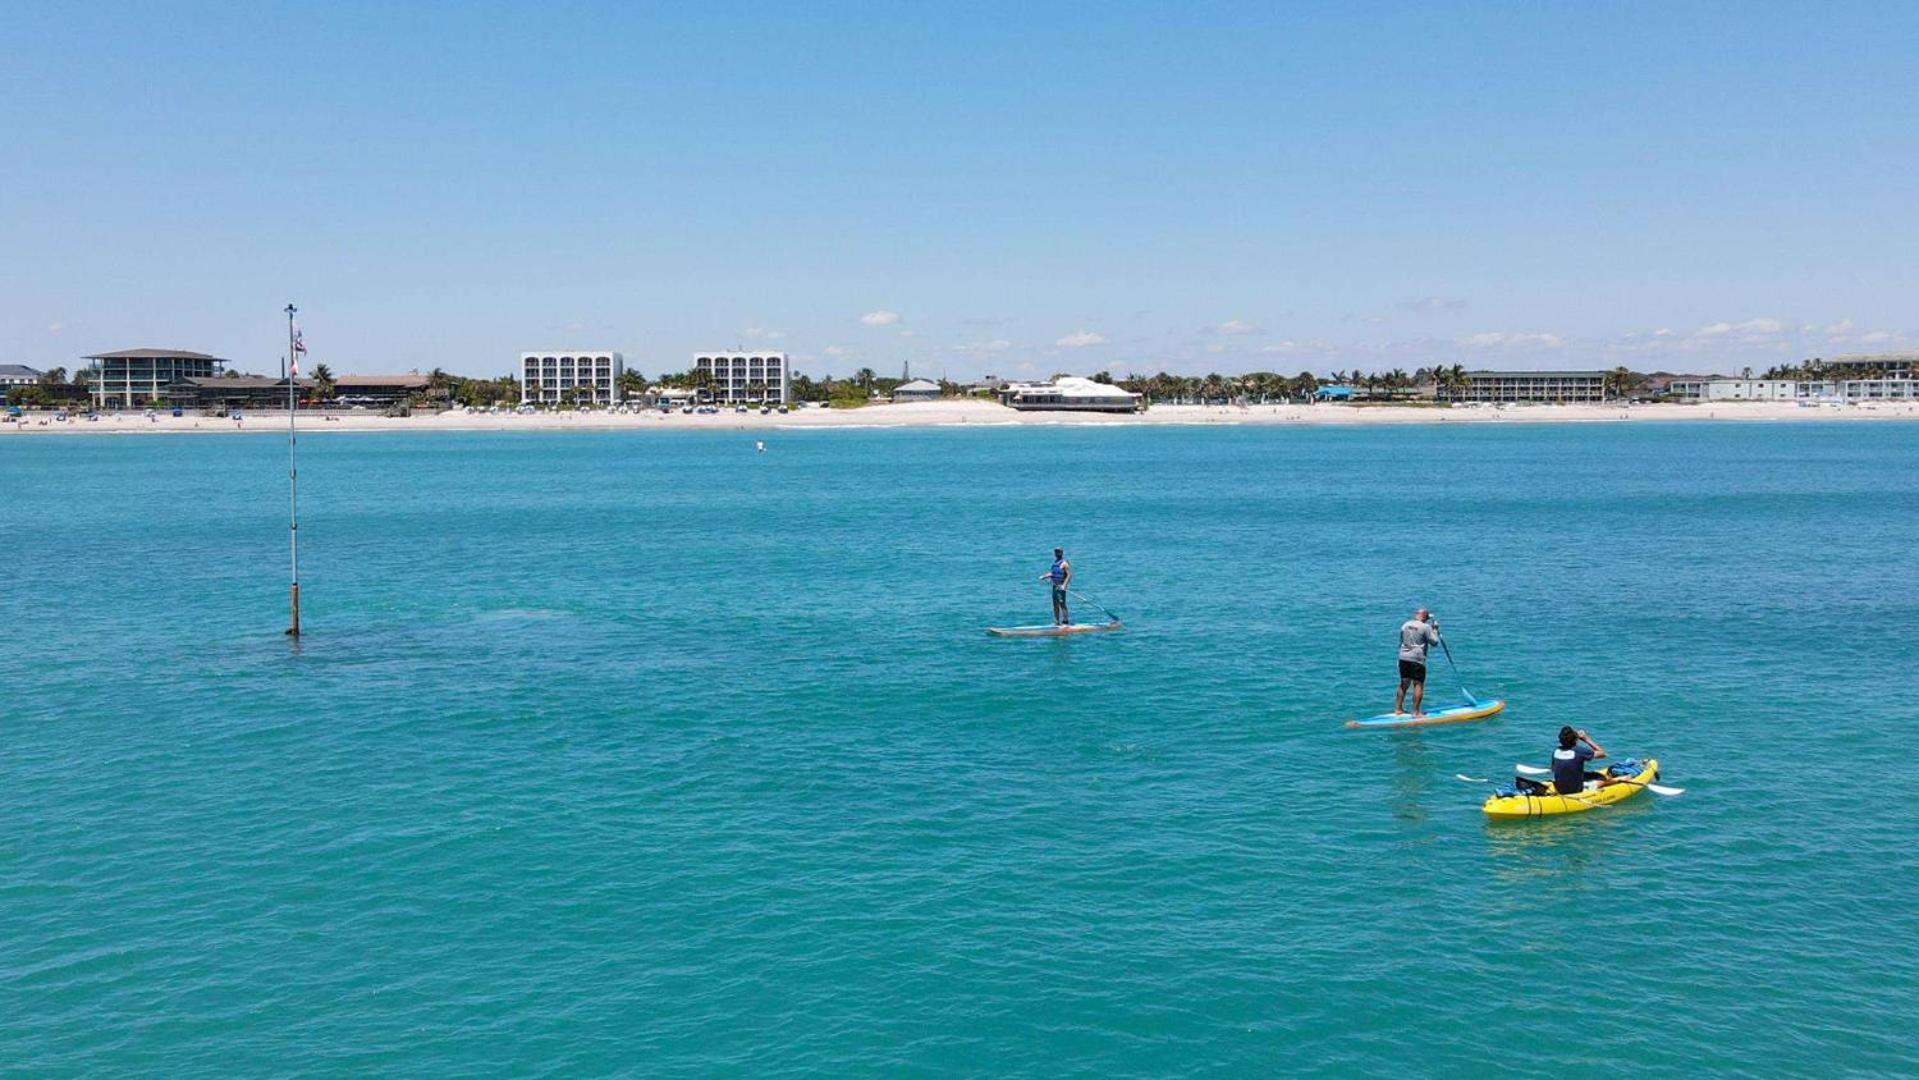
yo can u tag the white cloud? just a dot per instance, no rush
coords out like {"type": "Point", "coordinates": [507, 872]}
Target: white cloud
{"type": "Point", "coordinates": [54, 328]}
{"type": "Point", "coordinates": [1427, 305]}
{"type": "Point", "coordinates": [1877, 337]}
{"type": "Point", "coordinates": [1839, 329]}
{"type": "Point", "coordinates": [1080, 339]}
{"type": "Point", "coordinates": [880, 318]}
{"type": "Point", "coordinates": [982, 348]}
{"type": "Point", "coordinates": [1751, 328]}
{"type": "Point", "coordinates": [1237, 327]}
{"type": "Point", "coordinates": [1290, 347]}
{"type": "Point", "coordinates": [834, 350]}
{"type": "Point", "coordinates": [761, 333]}
{"type": "Point", "coordinates": [1494, 339]}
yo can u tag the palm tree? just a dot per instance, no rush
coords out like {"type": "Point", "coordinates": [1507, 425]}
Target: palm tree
{"type": "Point", "coordinates": [864, 377]}
{"type": "Point", "coordinates": [1621, 382]}
{"type": "Point", "coordinates": [323, 385]}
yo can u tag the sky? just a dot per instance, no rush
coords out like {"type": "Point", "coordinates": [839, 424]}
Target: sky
{"type": "Point", "coordinates": [973, 189]}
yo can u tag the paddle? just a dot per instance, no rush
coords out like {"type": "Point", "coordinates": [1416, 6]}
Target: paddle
{"type": "Point", "coordinates": [1656, 789]}
{"type": "Point", "coordinates": [1095, 603]}
{"type": "Point", "coordinates": [1447, 649]}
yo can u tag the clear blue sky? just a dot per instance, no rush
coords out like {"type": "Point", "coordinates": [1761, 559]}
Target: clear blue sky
{"type": "Point", "coordinates": [1019, 189]}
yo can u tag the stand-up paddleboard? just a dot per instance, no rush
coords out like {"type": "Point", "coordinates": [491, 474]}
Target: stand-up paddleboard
{"type": "Point", "coordinates": [1052, 630]}
{"type": "Point", "coordinates": [1451, 714]}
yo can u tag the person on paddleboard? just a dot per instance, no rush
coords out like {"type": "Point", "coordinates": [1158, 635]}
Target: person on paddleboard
{"type": "Point", "coordinates": [1060, 575]}
{"type": "Point", "coordinates": [1414, 635]}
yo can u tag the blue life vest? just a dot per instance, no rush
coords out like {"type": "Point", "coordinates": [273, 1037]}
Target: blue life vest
{"type": "Point", "coordinates": [1058, 573]}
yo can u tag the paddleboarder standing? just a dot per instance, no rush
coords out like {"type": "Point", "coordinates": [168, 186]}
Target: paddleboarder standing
{"type": "Point", "coordinates": [1060, 575]}
{"type": "Point", "coordinates": [1415, 634]}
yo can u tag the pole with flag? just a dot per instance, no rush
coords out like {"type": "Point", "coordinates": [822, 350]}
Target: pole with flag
{"type": "Point", "coordinates": [295, 347]}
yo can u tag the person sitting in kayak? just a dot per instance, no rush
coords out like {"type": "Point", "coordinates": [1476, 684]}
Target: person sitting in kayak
{"type": "Point", "coordinates": [1060, 575]}
{"type": "Point", "coordinates": [1414, 635]}
{"type": "Point", "coordinates": [1569, 762]}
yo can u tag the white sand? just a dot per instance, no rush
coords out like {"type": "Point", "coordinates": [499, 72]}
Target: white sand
{"type": "Point", "coordinates": [959, 412]}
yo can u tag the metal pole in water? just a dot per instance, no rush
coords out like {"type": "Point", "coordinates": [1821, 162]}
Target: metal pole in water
{"type": "Point", "coordinates": [293, 470]}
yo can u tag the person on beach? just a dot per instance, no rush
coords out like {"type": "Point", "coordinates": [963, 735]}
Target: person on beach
{"type": "Point", "coordinates": [1414, 635]}
{"type": "Point", "coordinates": [1060, 575]}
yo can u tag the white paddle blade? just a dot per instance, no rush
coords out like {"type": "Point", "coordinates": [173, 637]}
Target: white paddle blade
{"type": "Point", "coordinates": [1471, 779]}
{"type": "Point", "coordinates": [1531, 770]}
{"type": "Point", "coordinates": [1662, 789]}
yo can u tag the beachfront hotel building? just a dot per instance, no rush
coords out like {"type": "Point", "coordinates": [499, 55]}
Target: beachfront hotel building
{"type": "Point", "coordinates": [557, 376]}
{"type": "Point", "coordinates": [134, 377]}
{"type": "Point", "coordinates": [13, 376]}
{"type": "Point", "coordinates": [741, 378]}
{"type": "Point", "coordinates": [379, 389]}
{"type": "Point", "coordinates": [1069, 393]}
{"type": "Point", "coordinates": [1836, 391]}
{"type": "Point", "coordinates": [1871, 366]}
{"type": "Point", "coordinates": [1751, 390]}
{"type": "Point", "coordinates": [1537, 387]}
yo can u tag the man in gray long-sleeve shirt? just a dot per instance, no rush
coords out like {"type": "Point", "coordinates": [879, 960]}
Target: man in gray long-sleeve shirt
{"type": "Point", "coordinates": [1414, 635]}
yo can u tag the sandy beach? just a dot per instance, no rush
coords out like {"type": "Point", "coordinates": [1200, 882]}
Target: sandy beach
{"type": "Point", "coordinates": [954, 413]}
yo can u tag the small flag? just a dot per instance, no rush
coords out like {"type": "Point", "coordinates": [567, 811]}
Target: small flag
{"type": "Point", "coordinates": [299, 347]}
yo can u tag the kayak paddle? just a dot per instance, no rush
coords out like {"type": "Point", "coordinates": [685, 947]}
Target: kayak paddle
{"type": "Point", "coordinates": [1656, 789]}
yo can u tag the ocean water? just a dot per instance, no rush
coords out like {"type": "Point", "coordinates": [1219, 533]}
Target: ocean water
{"type": "Point", "coordinates": [646, 753]}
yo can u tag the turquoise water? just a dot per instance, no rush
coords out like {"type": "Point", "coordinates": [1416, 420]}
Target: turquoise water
{"type": "Point", "coordinates": [645, 752]}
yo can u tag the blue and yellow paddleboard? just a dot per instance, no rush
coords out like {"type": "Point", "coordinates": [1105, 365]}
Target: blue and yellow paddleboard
{"type": "Point", "coordinates": [1053, 630]}
{"type": "Point", "coordinates": [1451, 714]}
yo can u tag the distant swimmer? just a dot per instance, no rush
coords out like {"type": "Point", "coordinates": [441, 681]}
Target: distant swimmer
{"type": "Point", "coordinates": [1061, 575]}
{"type": "Point", "coordinates": [1414, 635]}
{"type": "Point", "coordinates": [760, 446]}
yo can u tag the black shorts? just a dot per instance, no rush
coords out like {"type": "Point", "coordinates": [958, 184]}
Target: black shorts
{"type": "Point", "coordinates": [1412, 670]}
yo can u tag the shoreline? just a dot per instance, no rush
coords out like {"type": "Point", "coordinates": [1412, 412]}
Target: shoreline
{"type": "Point", "coordinates": [966, 413]}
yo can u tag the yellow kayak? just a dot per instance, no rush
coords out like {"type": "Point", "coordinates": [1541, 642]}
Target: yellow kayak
{"type": "Point", "coordinates": [1500, 805]}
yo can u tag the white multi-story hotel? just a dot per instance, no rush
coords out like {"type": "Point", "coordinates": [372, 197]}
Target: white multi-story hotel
{"type": "Point", "coordinates": [742, 377]}
{"type": "Point", "coordinates": [589, 376]}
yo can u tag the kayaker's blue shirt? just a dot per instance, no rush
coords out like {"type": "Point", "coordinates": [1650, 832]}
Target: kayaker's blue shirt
{"type": "Point", "coordinates": [1058, 572]}
{"type": "Point", "coordinates": [1569, 769]}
